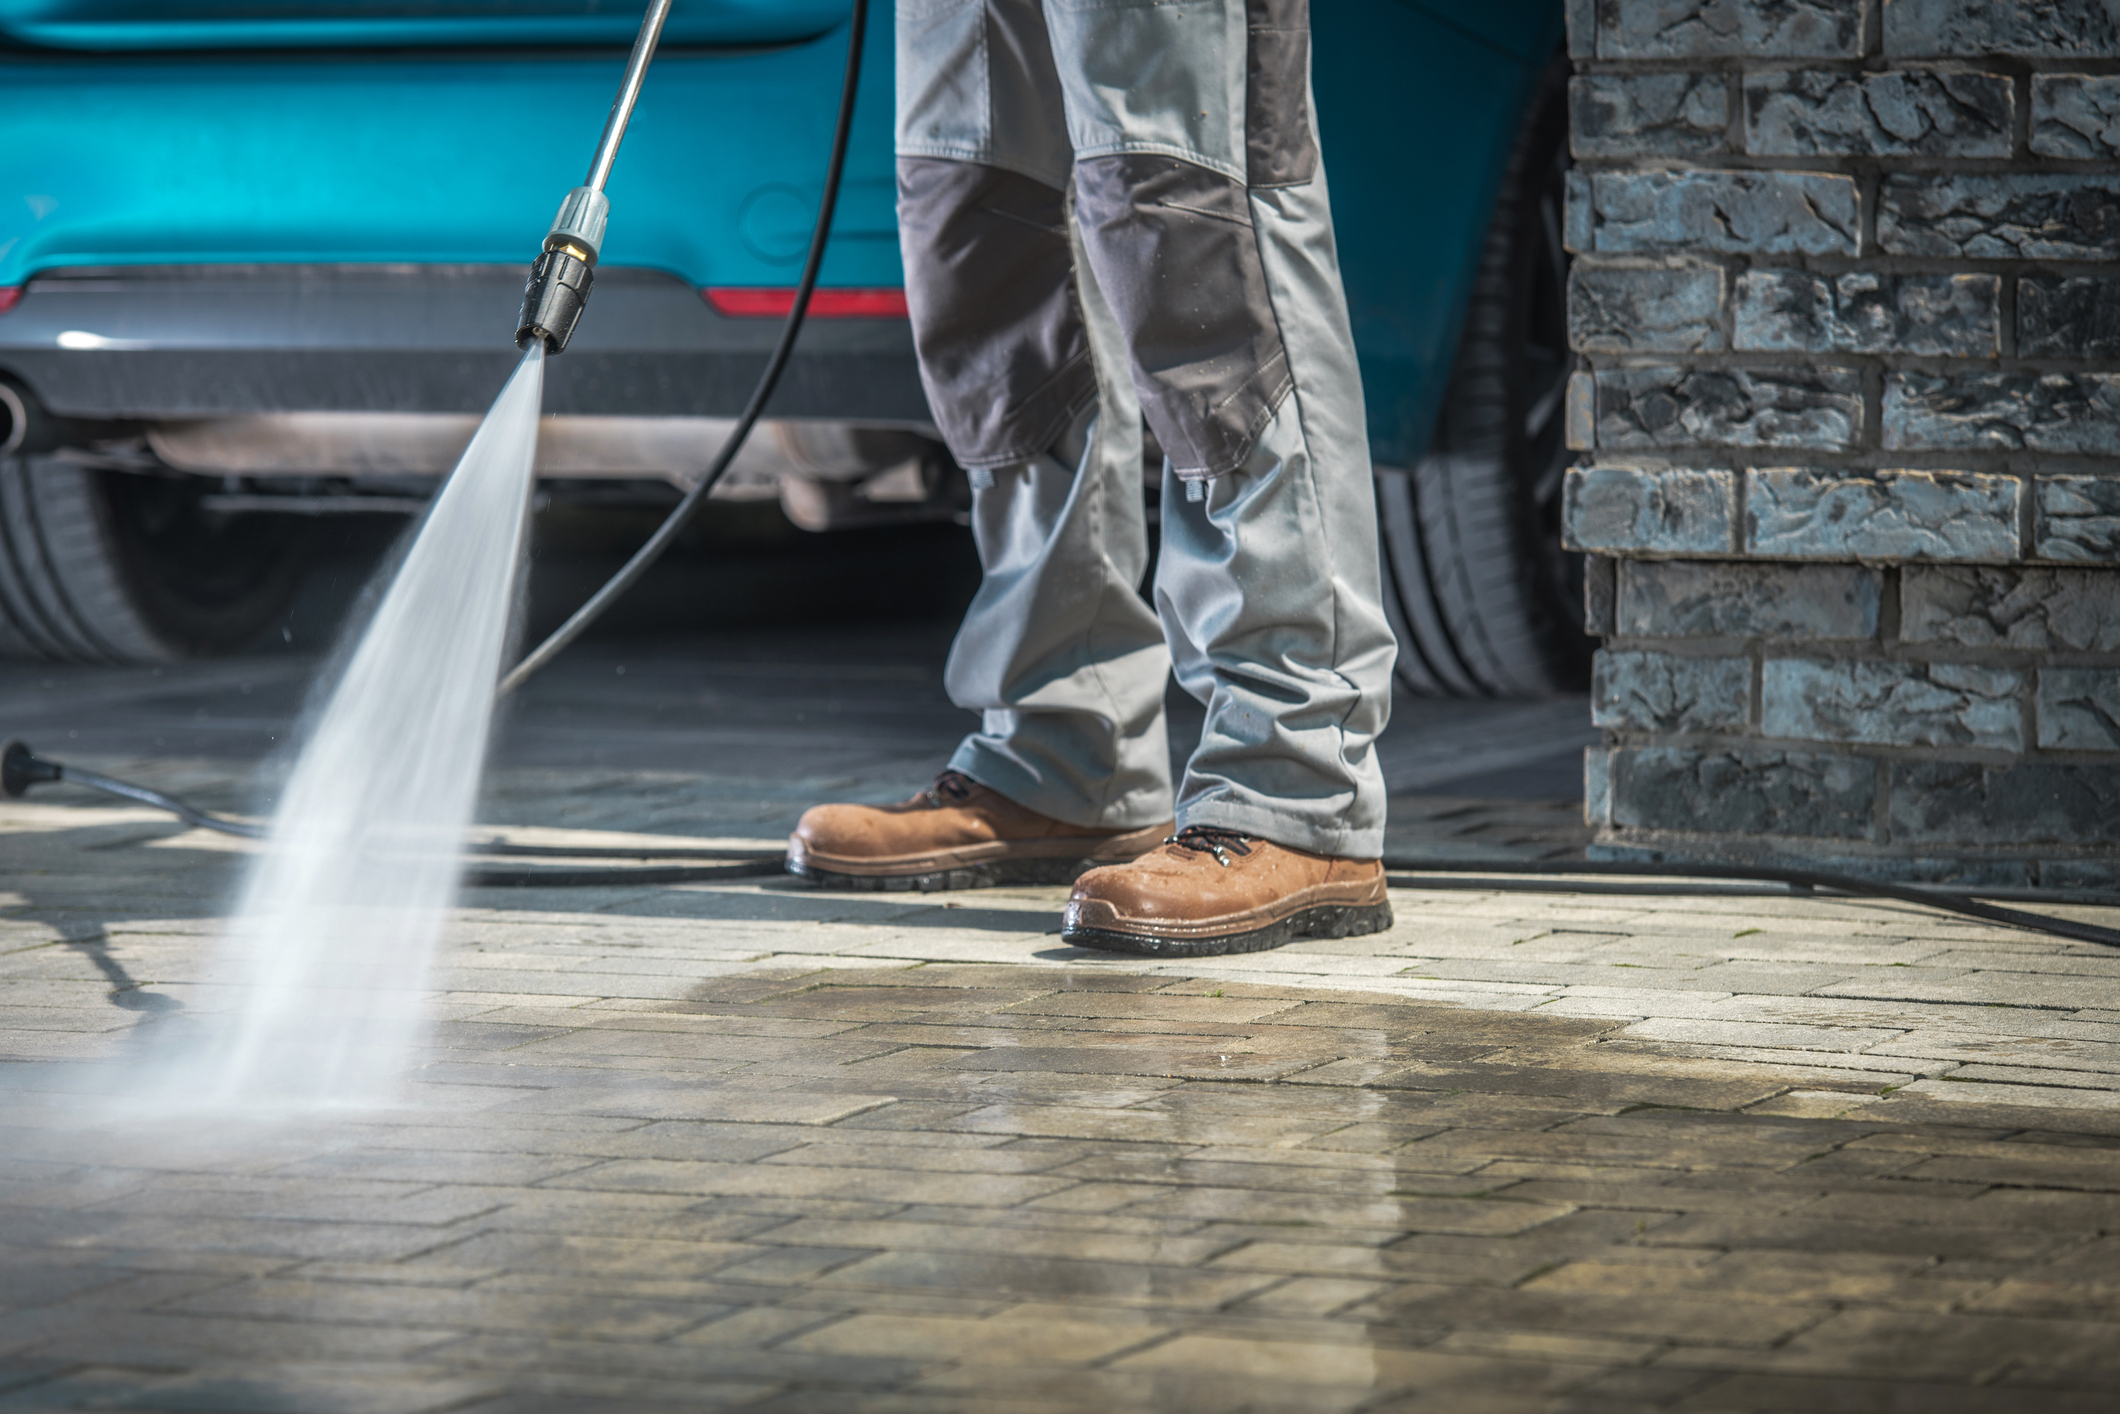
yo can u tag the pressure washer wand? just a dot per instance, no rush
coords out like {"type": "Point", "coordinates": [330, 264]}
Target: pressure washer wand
{"type": "Point", "coordinates": [566, 266]}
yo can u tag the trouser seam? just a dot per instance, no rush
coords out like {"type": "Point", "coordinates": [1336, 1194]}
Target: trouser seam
{"type": "Point", "coordinates": [1089, 637]}
{"type": "Point", "coordinates": [1294, 395]}
{"type": "Point", "coordinates": [979, 158]}
{"type": "Point", "coordinates": [1039, 442]}
{"type": "Point", "coordinates": [1099, 513]}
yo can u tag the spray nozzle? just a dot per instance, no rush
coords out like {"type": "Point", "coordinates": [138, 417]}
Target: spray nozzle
{"type": "Point", "coordinates": [559, 280]}
{"type": "Point", "coordinates": [560, 277]}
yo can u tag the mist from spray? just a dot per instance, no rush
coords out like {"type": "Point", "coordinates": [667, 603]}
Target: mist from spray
{"type": "Point", "coordinates": [334, 936]}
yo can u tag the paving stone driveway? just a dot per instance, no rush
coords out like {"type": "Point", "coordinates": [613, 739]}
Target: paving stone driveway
{"type": "Point", "coordinates": [750, 1146]}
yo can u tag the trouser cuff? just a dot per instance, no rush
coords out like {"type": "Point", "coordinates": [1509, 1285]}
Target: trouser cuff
{"type": "Point", "coordinates": [1136, 809]}
{"type": "Point", "coordinates": [1334, 836]}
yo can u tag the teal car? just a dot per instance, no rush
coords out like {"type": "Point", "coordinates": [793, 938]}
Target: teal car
{"type": "Point", "coordinates": [260, 262]}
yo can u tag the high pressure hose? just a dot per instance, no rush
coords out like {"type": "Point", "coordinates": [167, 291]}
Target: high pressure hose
{"type": "Point", "coordinates": [20, 769]}
{"type": "Point", "coordinates": [551, 297]}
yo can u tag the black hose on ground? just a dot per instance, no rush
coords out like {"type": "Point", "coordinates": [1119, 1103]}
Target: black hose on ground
{"type": "Point", "coordinates": [1771, 874]}
{"type": "Point", "coordinates": [20, 769]}
{"type": "Point", "coordinates": [768, 380]}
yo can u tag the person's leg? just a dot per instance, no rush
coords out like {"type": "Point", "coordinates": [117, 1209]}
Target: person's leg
{"type": "Point", "coordinates": [1058, 652]}
{"type": "Point", "coordinates": [1024, 371]}
{"type": "Point", "coordinates": [1204, 213]}
{"type": "Point", "coordinates": [1269, 583]}
{"type": "Point", "coordinates": [1205, 216]}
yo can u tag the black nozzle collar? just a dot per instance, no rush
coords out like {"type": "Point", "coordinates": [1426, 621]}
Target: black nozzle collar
{"type": "Point", "coordinates": [554, 296]}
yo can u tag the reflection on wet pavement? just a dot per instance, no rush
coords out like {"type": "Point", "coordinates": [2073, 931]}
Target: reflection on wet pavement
{"type": "Point", "coordinates": [747, 1145]}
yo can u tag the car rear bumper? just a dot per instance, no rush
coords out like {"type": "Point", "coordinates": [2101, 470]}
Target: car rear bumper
{"type": "Point", "coordinates": [167, 343]}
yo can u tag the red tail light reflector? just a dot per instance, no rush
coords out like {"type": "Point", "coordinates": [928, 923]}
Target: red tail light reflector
{"type": "Point", "coordinates": [10, 295]}
{"type": "Point", "coordinates": [774, 302]}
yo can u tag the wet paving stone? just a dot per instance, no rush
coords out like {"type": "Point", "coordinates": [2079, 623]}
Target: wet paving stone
{"type": "Point", "coordinates": [743, 1145]}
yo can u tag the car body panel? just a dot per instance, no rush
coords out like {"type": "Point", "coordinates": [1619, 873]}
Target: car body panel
{"type": "Point", "coordinates": [1415, 117]}
{"type": "Point", "coordinates": [216, 341]}
{"type": "Point", "coordinates": [322, 159]}
{"type": "Point", "coordinates": [1524, 30]}
{"type": "Point", "coordinates": [106, 25]}
{"type": "Point", "coordinates": [162, 160]}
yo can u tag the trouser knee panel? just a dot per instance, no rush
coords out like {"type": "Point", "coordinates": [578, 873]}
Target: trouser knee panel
{"type": "Point", "coordinates": [989, 282]}
{"type": "Point", "coordinates": [1174, 249]}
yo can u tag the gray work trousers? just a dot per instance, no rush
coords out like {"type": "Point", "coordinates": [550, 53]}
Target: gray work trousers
{"type": "Point", "coordinates": [1113, 211]}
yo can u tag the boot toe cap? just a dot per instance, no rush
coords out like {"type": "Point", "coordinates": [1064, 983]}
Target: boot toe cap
{"type": "Point", "coordinates": [846, 830]}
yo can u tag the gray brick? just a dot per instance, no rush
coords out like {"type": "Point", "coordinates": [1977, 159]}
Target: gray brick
{"type": "Point", "coordinates": [1753, 792]}
{"type": "Point", "coordinates": [2076, 518]}
{"type": "Point", "coordinates": [1665, 693]}
{"type": "Point", "coordinates": [1578, 213]}
{"type": "Point", "coordinates": [1797, 114]}
{"type": "Point", "coordinates": [1764, 29]}
{"type": "Point", "coordinates": [2040, 412]}
{"type": "Point", "coordinates": [1729, 407]}
{"type": "Point", "coordinates": [2079, 709]}
{"type": "Point", "coordinates": [1643, 115]}
{"type": "Point", "coordinates": [1675, 309]}
{"type": "Point", "coordinates": [1580, 411]}
{"type": "Point", "coordinates": [2076, 115]}
{"type": "Point", "coordinates": [1597, 785]}
{"type": "Point", "coordinates": [1721, 213]}
{"type": "Point", "coordinates": [1801, 513]}
{"type": "Point", "coordinates": [1627, 510]}
{"type": "Point", "coordinates": [2013, 216]}
{"type": "Point", "coordinates": [2080, 874]}
{"type": "Point", "coordinates": [2034, 802]}
{"type": "Point", "coordinates": [1795, 311]}
{"type": "Point", "coordinates": [2031, 29]}
{"type": "Point", "coordinates": [2068, 316]}
{"type": "Point", "coordinates": [1696, 598]}
{"type": "Point", "coordinates": [2077, 610]}
{"type": "Point", "coordinates": [1892, 704]}
{"type": "Point", "coordinates": [1600, 590]}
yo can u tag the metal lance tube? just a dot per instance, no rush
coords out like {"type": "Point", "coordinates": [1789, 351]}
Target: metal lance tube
{"type": "Point", "coordinates": [565, 268]}
{"type": "Point", "coordinates": [628, 94]}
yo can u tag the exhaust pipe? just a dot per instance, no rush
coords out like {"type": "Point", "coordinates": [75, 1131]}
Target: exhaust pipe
{"type": "Point", "coordinates": [28, 428]}
{"type": "Point", "coordinates": [22, 422]}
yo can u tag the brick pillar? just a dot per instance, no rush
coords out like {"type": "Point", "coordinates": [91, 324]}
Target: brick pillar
{"type": "Point", "coordinates": [1847, 302]}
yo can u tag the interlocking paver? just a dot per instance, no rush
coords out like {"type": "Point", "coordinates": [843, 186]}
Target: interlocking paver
{"type": "Point", "coordinates": [745, 1145]}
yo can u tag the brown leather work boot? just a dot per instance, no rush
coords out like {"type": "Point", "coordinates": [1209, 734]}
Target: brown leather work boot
{"type": "Point", "coordinates": [956, 834]}
{"type": "Point", "coordinates": [1210, 891]}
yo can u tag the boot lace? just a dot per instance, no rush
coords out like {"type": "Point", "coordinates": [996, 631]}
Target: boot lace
{"type": "Point", "coordinates": [950, 788]}
{"type": "Point", "coordinates": [1211, 839]}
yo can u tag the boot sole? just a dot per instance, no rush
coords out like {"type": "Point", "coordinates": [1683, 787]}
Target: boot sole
{"type": "Point", "coordinates": [1328, 920]}
{"type": "Point", "coordinates": [994, 874]}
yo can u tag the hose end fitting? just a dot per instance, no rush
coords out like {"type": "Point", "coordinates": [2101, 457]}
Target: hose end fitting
{"type": "Point", "coordinates": [559, 281]}
{"type": "Point", "coordinates": [20, 769]}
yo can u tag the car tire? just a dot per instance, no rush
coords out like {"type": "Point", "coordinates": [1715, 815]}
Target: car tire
{"type": "Point", "coordinates": [1486, 600]}
{"type": "Point", "coordinates": [100, 566]}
